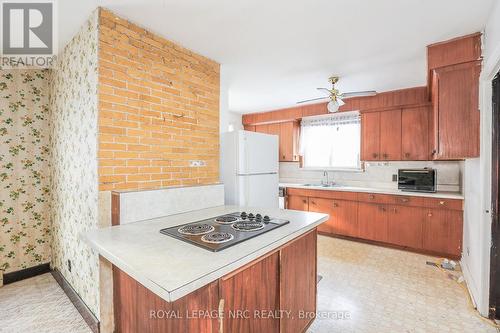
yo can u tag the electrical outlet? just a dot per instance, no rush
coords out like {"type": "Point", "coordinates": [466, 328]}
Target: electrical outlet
{"type": "Point", "coordinates": [197, 163]}
{"type": "Point", "coordinates": [468, 252]}
{"type": "Point", "coordinates": [394, 178]}
{"type": "Point", "coordinates": [69, 265]}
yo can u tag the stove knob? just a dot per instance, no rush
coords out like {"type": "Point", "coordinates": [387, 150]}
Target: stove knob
{"type": "Point", "coordinates": [266, 218]}
{"type": "Point", "coordinates": [258, 216]}
{"type": "Point", "coordinates": [243, 214]}
{"type": "Point", "coordinates": [250, 216]}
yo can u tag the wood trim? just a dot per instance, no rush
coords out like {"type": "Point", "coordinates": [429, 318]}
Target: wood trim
{"type": "Point", "coordinates": [115, 208]}
{"type": "Point", "coordinates": [82, 308]}
{"type": "Point", "coordinates": [392, 246]}
{"type": "Point", "coordinates": [25, 273]}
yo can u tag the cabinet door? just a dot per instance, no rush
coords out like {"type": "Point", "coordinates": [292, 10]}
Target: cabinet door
{"type": "Point", "coordinates": [370, 136]}
{"type": "Point", "coordinates": [297, 202]}
{"type": "Point", "coordinates": [275, 129]}
{"type": "Point", "coordinates": [262, 128]}
{"type": "Point", "coordinates": [456, 100]}
{"type": "Point", "coordinates": [415, 134]}
{"type": "Point", "coordinates": [372, 221]}
{"type": "Point", "coordinates": [298, 282]}
{"type": "Point", "coordinates": [250, 128]}
{"type": "Point", "coordinates": [254, 288]}
{"type": "Point", "coordinates": [405, 226]}
{"type": "Point", "coordinates": [390, 135]}
{"type": "Point", "coordinates": [320, 205]}
{"type": "Point", "coordinates": [345, 215]}
{"type": "Point", "coordinates": [289, 145]}
{"type": "Point", "coordinates": [443, 231]}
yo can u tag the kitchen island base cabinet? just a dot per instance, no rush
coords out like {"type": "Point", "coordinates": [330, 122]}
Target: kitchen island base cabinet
{"type": "Point", "coordinates": [253, 298]}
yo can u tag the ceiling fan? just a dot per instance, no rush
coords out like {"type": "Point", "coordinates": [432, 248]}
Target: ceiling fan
{"type": "Point", "coordinates": [336, 96]}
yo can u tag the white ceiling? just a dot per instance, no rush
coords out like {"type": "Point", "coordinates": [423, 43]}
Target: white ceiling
{"type": "Point", "coordinates": [275, 52]}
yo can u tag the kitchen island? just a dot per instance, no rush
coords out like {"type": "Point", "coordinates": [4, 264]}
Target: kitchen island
{"type": "Point", "coordinates": [162, 284]}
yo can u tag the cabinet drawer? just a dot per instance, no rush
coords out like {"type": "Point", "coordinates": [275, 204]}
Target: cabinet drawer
{"type": "Point", "coordinates": [375, 198]}
{"type": "Point", "coordinates": [454, 204]}
{"type": "Point", "coordinates": [406, 200]}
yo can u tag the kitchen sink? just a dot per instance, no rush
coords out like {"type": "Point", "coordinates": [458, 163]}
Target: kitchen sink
{"type": "Point", "coordinates": [320, 185]}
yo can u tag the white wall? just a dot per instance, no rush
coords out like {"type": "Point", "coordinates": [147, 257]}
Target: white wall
{"type": "Point", "coordinates": [376, 174]}
{"type": "Point", "coordinates": [226, 117]}
{"type": "Point", "coordinates": [477, 178]}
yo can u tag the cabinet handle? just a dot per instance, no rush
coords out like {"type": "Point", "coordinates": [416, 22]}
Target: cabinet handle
{"type": "Point", "coordinates": [407, 155]}
{"type": "Point", "coordinates": [371, 196]}
{"type": "Point", "coordinates": [405, 200]}
{"type": "Point", "coordinates": [382, 208]}
{"type": "Point", "coordinates": [221, 315]}
{"type": "Point", "coordinates": [375, 155]}
{"type": "Point", "coordinates": [429, 214]}
{"type": "Point", "coordinates": [304, 201]}
{"type": "Point", "coordinates": [335, 204]}
{"type": "Point", "coordinates": [283, 156]}
{"type": "Point", "coordinates": [386, 155]}
{"type": "Point", "coordinates": [311, 202]}
{"type": "Point", "coordinates": [442, 203]}
{"type": "Point", "coordinates": [394, 210]}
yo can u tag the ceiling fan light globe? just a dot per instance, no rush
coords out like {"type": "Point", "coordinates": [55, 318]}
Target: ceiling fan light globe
{"type": "Point", "coordinates": [332, 106]}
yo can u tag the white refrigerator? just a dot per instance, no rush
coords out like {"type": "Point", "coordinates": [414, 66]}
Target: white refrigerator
{"type": "Point", "coordinates": [250, 169]}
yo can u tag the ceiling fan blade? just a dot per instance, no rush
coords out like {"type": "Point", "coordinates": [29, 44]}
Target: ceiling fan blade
{"type": "Point", "coordinates": [324, 89]}
{"type": "Point", "coordinates": [359, 94]}
{"type": "Point", "coordinates": [312, 99]}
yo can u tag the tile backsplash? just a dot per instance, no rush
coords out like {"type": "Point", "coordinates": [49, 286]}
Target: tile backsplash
{"type": "Point", "coordinates": [376, 174]}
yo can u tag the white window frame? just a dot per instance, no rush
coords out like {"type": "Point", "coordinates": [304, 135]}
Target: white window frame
{"type": "Point", "coordinates": [359, 168]}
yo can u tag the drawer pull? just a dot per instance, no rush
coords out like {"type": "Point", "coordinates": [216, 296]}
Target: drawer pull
{"type": "Point", "coordinates": [394, 210]}
{"type": "Point", "coordinates": [442, 203]}
{"type": "Point", "coordinates": [371, 196]}
{"type": "Point", "coordinates": [335, 204]}
{"type": "Point", "coordinates": [304, 201]}
{"type": "Point", "coordinates": [407, 155]}
{"type": "Point", "coordinates": [429, 214]}
{"type": "Point", "coordinates": [375, 155]}
{"type": "Point", "coordinates": [405, 200]}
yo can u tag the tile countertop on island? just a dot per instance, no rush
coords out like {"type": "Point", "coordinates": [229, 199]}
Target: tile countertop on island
{"type": "Point", "coordinates": [439, 194]}
{"type": "Point", "coordinates": [172, 268]}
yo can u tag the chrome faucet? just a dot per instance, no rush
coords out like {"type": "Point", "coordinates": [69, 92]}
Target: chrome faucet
{"type": "Point", "coordinates": [325, 174]}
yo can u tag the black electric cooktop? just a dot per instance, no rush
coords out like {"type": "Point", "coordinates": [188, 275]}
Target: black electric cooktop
{"type": "Point", "coordinates": [220, 232]}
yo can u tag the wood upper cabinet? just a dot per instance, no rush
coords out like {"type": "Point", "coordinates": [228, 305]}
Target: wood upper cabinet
{"type": "Point", "coordinates": [372, 221]}
{"type": "Point", "coordinates": [298, 283]}
{"type": "Point", "coordinates": [250, 128]}
{"type": "Point", "coordinates": [455, 95]}
{"type": "Point", "coordinates": [288, 133]}
{"type": "Point", "coordinates": [415, 134]}
{"type": "Point", "coordinates": [405, 226]}
{"type": "Point", "coordinates": [443, 231]}
{"type": "Point", "coordinates": [257, 287]}
{"type": "Point", "coordinates": [298, 202]}
{"type": "Point", "coordinates": [390, 135]}
{"type": "Point", "coordinates": [289, 141]}
{"type": "Point", "coordinates": [370, 136]}
{"type": "Point", "coordinates": [325, 206]}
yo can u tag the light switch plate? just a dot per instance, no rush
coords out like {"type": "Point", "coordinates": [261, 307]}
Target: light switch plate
{"type": "Point", "coordinates": [197, 163]}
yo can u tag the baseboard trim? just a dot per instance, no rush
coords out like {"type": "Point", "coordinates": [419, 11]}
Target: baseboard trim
{"type": "Point", "coordinates": [87, 315]}
{"type": "Point", "coordinates": [25, 273]}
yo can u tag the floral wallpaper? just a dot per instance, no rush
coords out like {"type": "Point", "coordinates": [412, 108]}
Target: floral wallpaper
{"type": "Point", "coordinates": [24, 165]}
{"type": "Point", "coordinates": [73, 105]}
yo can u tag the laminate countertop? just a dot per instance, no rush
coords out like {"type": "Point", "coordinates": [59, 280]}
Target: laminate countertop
{"type": "Point", "coordinates": [439, 194]}
{"type": "Point", "coordinates": [172, 268]}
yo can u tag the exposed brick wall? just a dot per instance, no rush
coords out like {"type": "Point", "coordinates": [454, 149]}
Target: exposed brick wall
{"type": "Point", "coordinates": [158, 110]}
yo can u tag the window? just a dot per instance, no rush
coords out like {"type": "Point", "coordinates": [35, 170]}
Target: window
{"type": "Point", "coordinates": [331, 141]}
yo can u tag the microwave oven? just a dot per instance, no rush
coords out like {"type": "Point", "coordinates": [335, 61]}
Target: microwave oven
{"type": "Point", "coordinates": [417, 180]}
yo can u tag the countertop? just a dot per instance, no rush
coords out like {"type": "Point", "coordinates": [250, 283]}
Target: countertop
{"type": "Point", "coordinates": [439, 194]}
{"type": "Point", "coordinates": [172, 268]}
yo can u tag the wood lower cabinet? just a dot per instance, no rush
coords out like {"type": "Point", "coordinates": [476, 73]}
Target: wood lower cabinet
{"type": "Point", "coordinates": [372, 221]}
{"type": "Point", "coordinates": [250, 298]}
{"type": "Point", "coordinates": [298, 281]}
{"type": "Point", "coordinates": [415, 134]}
{"type": "Point", "coordinates": [325, 206]}
{"type": "Point", "coordinates": [255, 288]}
{"type": "Point", "coordinates": [424, 224]}
{"type": "Point", "coordinates": [443, 231]}
{"type": "Point", "coordinates": [298, 202]}
{"type": "Point", "coordinates": [405, 226]}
